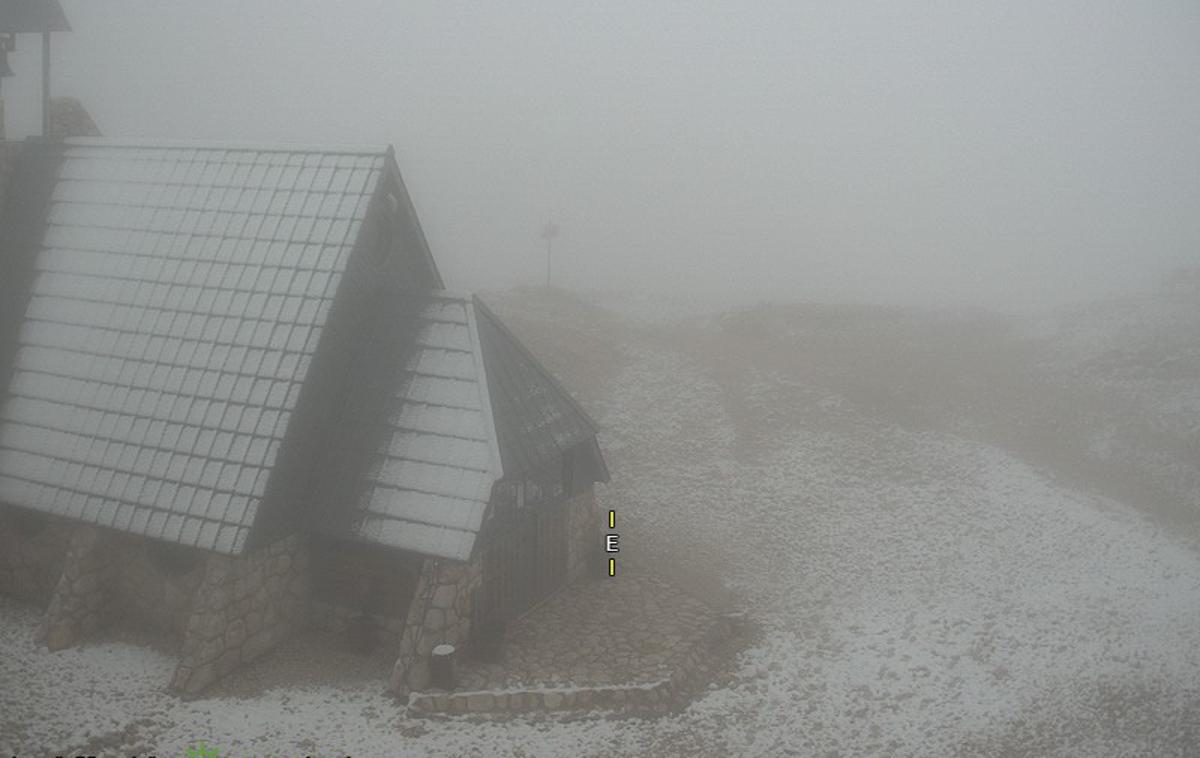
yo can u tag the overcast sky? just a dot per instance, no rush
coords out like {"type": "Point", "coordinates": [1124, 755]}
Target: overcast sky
{"type": "Point", "coordinates": [906, 151]}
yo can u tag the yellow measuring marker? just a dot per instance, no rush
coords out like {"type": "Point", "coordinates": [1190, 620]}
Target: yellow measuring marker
{"type": "Point", "coordinates": [610, 543]}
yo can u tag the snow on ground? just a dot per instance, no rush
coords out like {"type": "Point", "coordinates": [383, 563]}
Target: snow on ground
{"type": "Point", "coordinates": [1137, 361]}
{"type": "Point", "coordinates": [920, 594]}
{"type": "Point", "coordinates": [52, 702]}
{"type": "Point", "coordinates": [924, 594]}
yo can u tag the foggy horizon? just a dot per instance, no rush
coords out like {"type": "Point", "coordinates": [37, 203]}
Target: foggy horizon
{"type": "Point", "coordinates": [995, 155]}
{"type": "Point", "coordinates": [860, 416]}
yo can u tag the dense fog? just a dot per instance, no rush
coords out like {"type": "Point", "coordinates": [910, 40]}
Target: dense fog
{"type": "Point", "coordinates": [1008, 153]}
{"type": "Point", "coordinates": [861, 415]}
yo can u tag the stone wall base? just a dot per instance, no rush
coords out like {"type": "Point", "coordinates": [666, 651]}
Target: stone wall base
{"type": "Point", "coordinates": [244, 607]}
{"type": "Point", "coordinates": [440, 614]}
{"type": "Point", "coordinates": [692, 671]}
{"type": "Point", "coordinates": [82, 600]}
{"type": "Point", "coordinates": [31, 562]}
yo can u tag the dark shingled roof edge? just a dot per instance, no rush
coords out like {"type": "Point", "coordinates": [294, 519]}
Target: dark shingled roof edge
{"type": "Point", "coordinates": [495, 321]}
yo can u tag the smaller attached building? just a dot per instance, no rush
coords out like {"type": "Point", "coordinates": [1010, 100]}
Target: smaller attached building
{"type": "Point", "coordinates": [454, 443]}
{"type": "Point", "coordinates": [239, 401]}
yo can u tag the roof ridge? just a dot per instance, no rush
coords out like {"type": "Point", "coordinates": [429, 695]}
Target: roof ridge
{"type": "Point", "coordinates": [483, 384]}
{"type": "Point", "coordinates": [261, 147]}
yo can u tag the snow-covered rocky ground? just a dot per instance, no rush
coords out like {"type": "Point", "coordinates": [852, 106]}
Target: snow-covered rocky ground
{"type": "Point", "coordinates": [922, 591]}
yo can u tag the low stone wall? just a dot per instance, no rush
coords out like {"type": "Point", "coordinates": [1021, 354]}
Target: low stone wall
{"type": "Point", "coordinates": [244, 606]}
{"type": "Point", "coordinates": [33, 550]}
{"type": "Point", "coordinates": [690, 672]}
{"type": "Point", "coordinates": [81, 600]}
{"type": "Point", "coordinates": [634, 697]}
{"type": "Point", "coordinates": [584, 536]}
{"type": "Point", "coordinates": [440, 613]}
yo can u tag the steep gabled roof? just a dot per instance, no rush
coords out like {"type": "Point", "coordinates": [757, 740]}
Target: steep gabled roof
{"type": "Point", "coordinates": [464, 405]}
{"type": "Point", "coordinates": [179, 297]}
{"type": "Point", "coordinates": [167, 379]}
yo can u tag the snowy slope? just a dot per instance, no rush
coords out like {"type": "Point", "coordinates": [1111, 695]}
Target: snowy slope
{"type": "Point", "coordinates": [921, 593]}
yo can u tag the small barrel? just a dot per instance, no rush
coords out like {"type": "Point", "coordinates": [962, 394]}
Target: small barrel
{"type": "Point", "coordinates": [441, 667]}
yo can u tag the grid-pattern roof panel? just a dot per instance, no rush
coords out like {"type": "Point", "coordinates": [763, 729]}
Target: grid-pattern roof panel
{"type": "Point", "coordinates": [466, 405]}
{"type": "Point", "coordinates": [536, 420]}
{"type": "Point", "coordinates": [179, 297]}
{"type": "Point", "coordinates": [430, 477]}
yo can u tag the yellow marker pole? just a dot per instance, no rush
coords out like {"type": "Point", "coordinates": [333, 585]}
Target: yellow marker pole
{"type": "Point", "coordinates": [612, 519]}
{"type": "Point", "coordinates": [612, 566]}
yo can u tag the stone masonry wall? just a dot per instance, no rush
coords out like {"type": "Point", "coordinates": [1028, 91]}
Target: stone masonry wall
{"type": "Point", "coordinates": [584, 536]}
{"type": "Point", "coordinates": [244, 606]}
{"type": "Point", "coordinates": [440, 613]}
{"type": "Point", "coordinates": [31, 563]}
{"type": "Point", "coordinates": [81, 598]}
{"type": "Point", "coordinates": [691, 670]}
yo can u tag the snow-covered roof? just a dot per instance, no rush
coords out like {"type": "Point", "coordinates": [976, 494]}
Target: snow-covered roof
{"type": "Point", "coordinates": [464, 405]}
{"type": "Point", "coordinates": [179, 296]}
{"type": "Point", "coordinates": [187, 366]}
